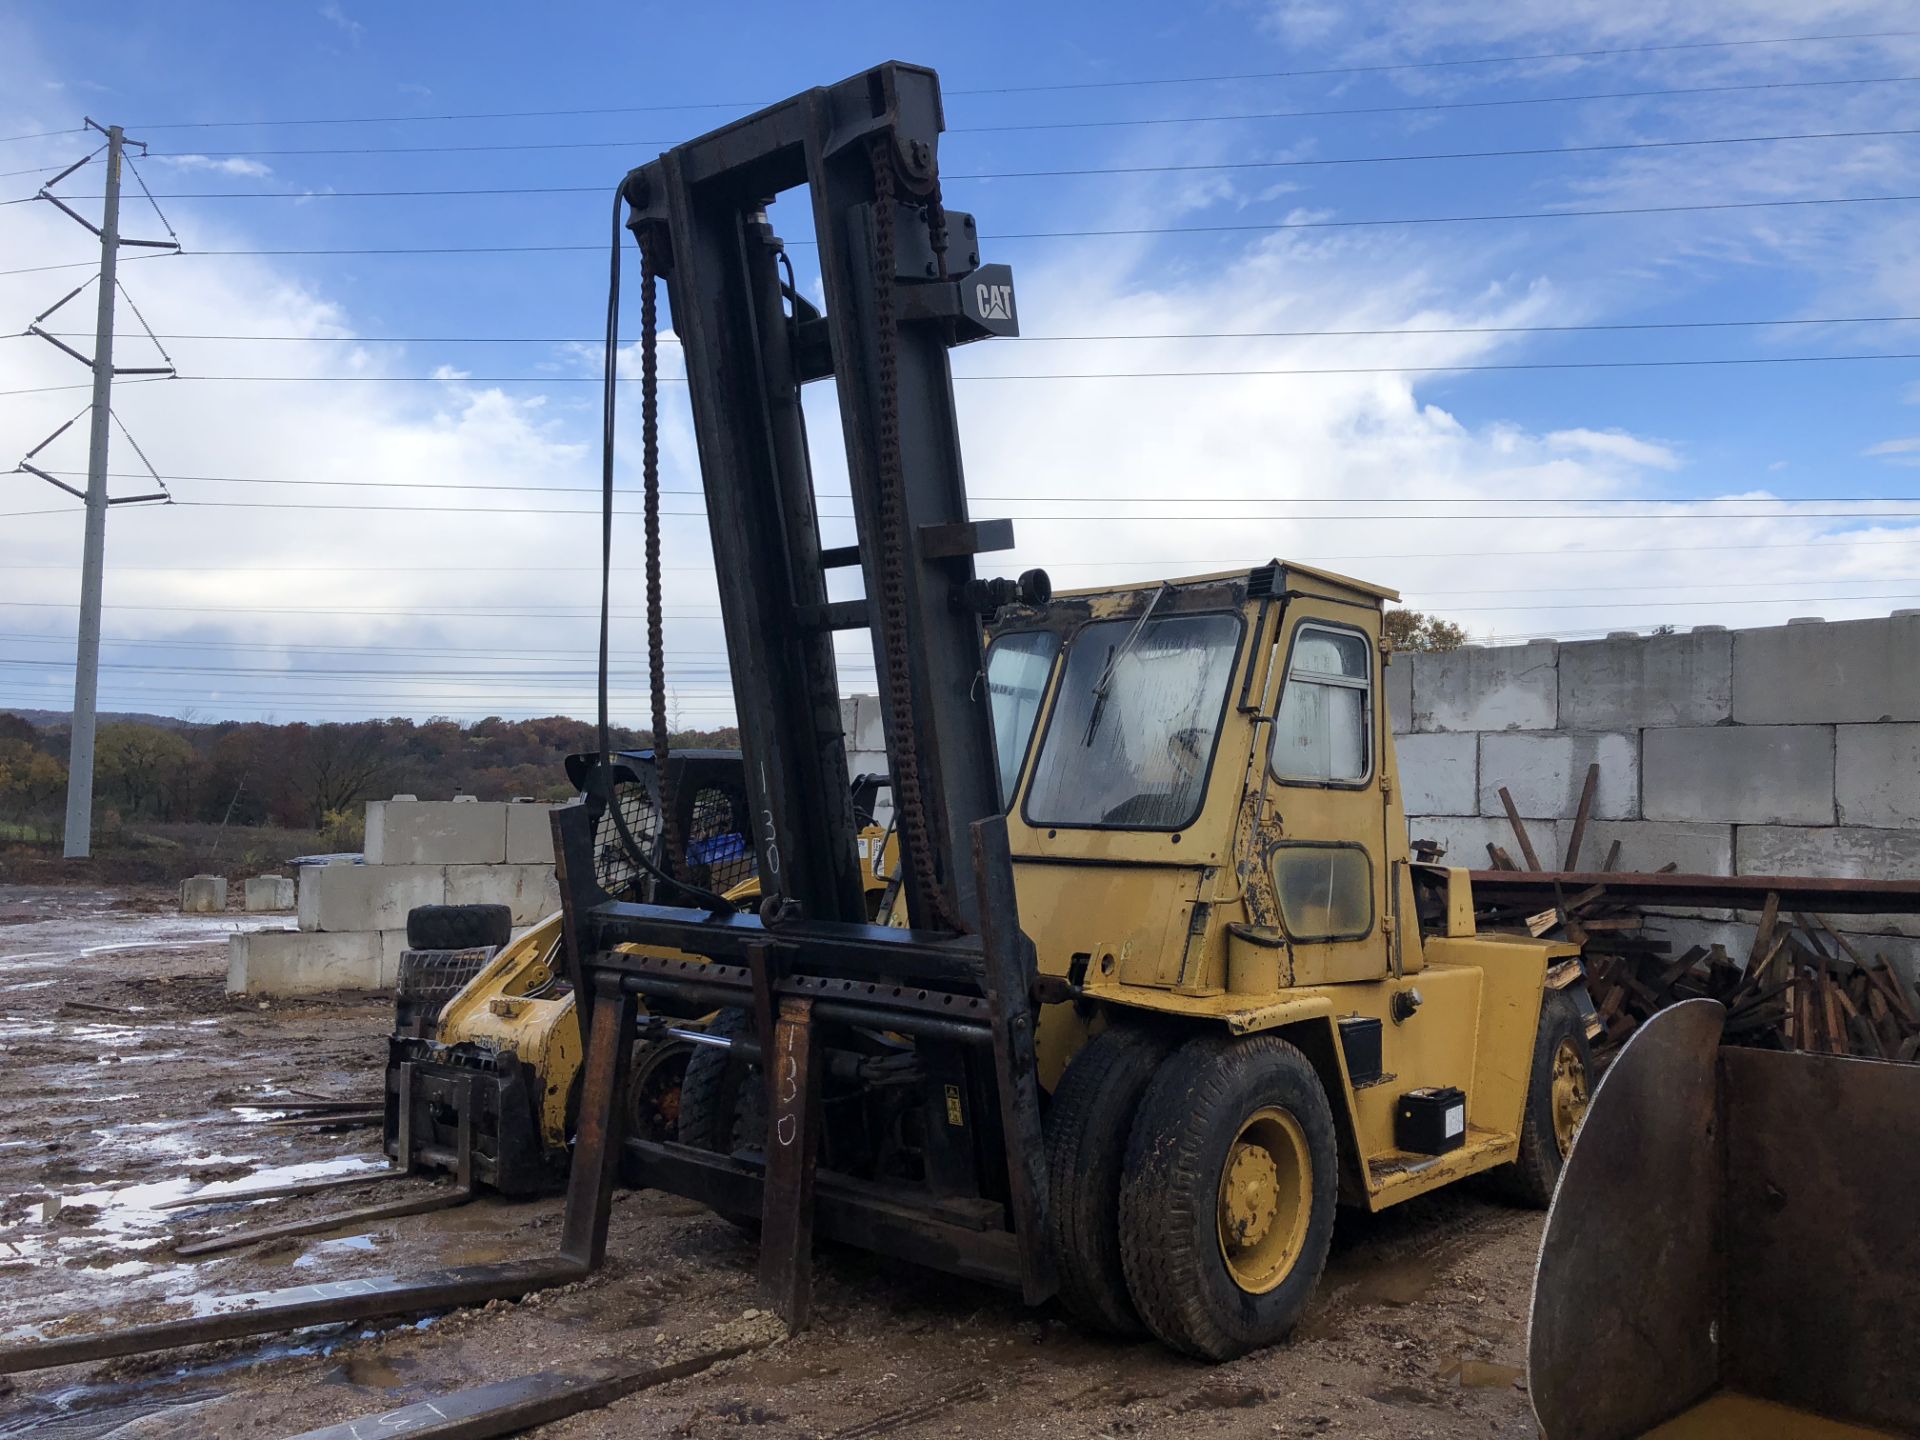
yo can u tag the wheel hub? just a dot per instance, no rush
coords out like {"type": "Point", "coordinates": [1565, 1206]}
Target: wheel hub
{"type": "Point", "coordinates": [1569, 1094]}
{"type": "Point", "coordinates": [1253, 1194]}
{"type": "Point", "coordinates": [1265, 1200]}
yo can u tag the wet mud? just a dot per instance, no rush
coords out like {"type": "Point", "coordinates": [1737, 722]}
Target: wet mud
{"type": "Point", "coordinates": [130, 1082]}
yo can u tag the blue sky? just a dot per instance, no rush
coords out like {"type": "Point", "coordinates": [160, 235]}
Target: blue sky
{"type": "Point", "coordinates": [244, 601]}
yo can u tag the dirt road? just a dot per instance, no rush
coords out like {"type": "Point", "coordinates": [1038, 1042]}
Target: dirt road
{"type": "Point", "coordinates": [127, 1079]}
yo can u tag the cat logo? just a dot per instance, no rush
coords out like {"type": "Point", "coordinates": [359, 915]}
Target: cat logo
{"type": "Point", "coordinates": [995, 301]}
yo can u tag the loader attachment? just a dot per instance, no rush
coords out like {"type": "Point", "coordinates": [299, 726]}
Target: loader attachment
{"type": "Point", "coordinates": [1731, 1250]}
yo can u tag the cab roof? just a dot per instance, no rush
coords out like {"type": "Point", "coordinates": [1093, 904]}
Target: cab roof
{"type": "Point", "coordinates": [1325, 577]}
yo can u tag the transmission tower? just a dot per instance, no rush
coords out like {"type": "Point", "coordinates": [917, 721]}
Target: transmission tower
{"type": "Point", "coordinates": [86, 665]}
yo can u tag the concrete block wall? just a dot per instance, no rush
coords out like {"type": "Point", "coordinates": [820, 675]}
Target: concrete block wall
{"type": "Point", "coordinates": [352, 918]}
{"type": "Point", "coordinates": [1793, 749]}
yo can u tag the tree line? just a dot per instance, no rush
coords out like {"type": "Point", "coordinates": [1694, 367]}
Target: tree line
{"type": "Point", "coordinates": [297, 775]}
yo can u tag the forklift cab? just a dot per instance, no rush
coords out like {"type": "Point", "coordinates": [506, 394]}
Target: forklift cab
{"type": "Point", "coordinates": [1213, 749]}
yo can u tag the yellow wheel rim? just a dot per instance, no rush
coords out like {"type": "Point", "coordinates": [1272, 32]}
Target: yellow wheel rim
{"type": "Point", "coordinates": [1569, 1094]}
{"type": "Point", "coordinates": [1266, 1200]}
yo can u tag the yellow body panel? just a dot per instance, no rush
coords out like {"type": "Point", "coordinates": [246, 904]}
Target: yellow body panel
{"type": "Point", "coordinates": [1188, 926]}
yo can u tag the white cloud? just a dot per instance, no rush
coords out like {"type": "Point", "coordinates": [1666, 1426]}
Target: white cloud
{"type": "Point", "coordinates": [1617, 445]}
{"type": "Point", "coordinates": [225, 165]}
{"type": "Point", "coordinates": [1905, 445]}
{"type": "Point", "coordinates": [351, 28]}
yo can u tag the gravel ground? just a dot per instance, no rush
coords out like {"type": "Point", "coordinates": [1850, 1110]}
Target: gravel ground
{"type": "Point", "coordinates": [127, 1078]}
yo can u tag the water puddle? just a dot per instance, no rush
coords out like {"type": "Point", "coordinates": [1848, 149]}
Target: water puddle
{"type": "Point", "coordinates": [327, 1250]}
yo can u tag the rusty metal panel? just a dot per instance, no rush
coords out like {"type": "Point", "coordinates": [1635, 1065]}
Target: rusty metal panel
{"type": "Point", "coordinates": [1823, 1277]}
{"type": "Point", "coordinates": [1627, 1294]}
{"type": "Point", "coordinates": [1828, 895]}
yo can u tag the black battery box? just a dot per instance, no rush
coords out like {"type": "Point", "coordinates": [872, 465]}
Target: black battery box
{"type": "Point", "coordinates": [1360, 1040]}
{"type": "Point", "coordinates": [1431, 1121]}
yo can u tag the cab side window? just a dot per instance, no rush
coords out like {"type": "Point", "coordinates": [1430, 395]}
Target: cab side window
{"type": "Point", "coordinates": [1323, 734]}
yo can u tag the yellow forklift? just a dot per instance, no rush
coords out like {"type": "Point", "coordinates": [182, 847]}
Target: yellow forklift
{"type": "Point", "coordinates": [1159, 986]}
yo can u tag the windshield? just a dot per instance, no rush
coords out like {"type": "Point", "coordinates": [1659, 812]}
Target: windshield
{"type": "Point", "coordinates": [1135, 752]}
{"type": "Point", "coordinates": [1017, 670]}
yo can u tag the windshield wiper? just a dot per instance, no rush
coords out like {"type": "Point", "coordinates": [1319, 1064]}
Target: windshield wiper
{"type": "Point", "coordinates": [1114, 656]}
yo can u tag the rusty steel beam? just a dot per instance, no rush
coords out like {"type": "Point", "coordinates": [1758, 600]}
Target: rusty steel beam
{"type": "Point", "coordinates": [331, 1303]}
{"type": "Point", "coordinates": [507, 1407]}
{"type": "Point", "coordinates": [1820, 894]}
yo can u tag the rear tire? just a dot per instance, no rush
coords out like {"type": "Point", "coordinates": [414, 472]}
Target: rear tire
{"type": "Point", "coordinates": [458, 927]}
{"type": "Point", "coordinates": [1087, 1128]}
{"type": "Point", "coordinates": [1227, 1203]}
{"type": "Point", "coordinates": [1557, 1092]}
{"type": "Point", "coordinates": [721, 1097]}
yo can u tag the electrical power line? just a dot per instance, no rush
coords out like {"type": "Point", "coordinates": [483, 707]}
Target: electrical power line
{"type": "Point", "coordinates": [1494, 367]}
{"type": "Point", "coordinates": [1252, 115]}
{"type": "Point", "coordinates": [1065, 172]}
{"type": "Point", "coordinates": [1320, 72]}
{"type": "Point", "coordinates": [1418, 330]}
{"type": "Point", "coordinates": [1100, 498]}
{"type": "Point", "coordinates": [1261, 227]}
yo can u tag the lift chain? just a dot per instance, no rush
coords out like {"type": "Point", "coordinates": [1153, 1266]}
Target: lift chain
{"type": "Point", "coordinates": [650, 479]}
{"type": "Point", "coordinates": [909, 798]}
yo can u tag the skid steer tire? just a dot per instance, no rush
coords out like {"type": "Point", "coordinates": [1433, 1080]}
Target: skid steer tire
{"type": "Point", "coordinates": [1087, 1126]}
{"type": "Point", "coordinates": [458, 927]}
{"type": "Point", "coordinates": [721, 1096]}
{"type": "Point", "coordinates": [1561, 1079]}
{"type": "Point", "coordinates": [1227, 1202]}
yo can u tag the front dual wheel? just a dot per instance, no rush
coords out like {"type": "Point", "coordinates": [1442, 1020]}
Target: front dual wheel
{"type": "Point", "coordinates": [1193, 1188]}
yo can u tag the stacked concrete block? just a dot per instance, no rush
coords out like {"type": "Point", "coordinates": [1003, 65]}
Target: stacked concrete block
{"type": "Point", "coordinates": [443, 832]}
{"type": "Point", "coordinates": [1793, 749]}
{"type": "Point", "coordinates": [203, 894]}
{"type": "Point", "coordinates": [269, 892]}
{"type": "Point", "coordinates": [353, 917]}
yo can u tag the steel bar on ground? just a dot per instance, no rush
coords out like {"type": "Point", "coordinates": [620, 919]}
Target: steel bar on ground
{"type": "Point", "coordinates": [508, 1406]}
{"type": "Point", "coordinates": [313, 1225]}
{"type": "Point", "coordinates": [265, 1311]}
{"type": "Point", "coordinates": [282, 1192]}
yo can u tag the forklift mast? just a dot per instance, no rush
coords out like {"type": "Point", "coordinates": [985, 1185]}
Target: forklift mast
{"type": "Point", "coordinates": [902, 281]}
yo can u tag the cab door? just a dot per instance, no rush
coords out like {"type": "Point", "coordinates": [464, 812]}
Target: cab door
{"type": "Point", "coordinates": [1323, 776]}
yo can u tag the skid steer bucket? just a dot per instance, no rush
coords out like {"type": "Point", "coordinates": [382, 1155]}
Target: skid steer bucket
{"type": "Point", "coordinates": [1732, 1249]}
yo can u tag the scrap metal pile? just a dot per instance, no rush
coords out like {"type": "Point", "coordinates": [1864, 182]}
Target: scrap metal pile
{"type": "Point", "coordinates": [1801, 985]}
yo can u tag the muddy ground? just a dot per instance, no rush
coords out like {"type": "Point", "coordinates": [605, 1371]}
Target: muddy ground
{"type": "Point", "coordinates": [128, 1078]}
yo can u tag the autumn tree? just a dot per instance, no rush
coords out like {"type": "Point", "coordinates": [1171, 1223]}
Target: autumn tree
{"type": "Point", "coordinates": [139, 767]}
{"type": "Point", "coordinates": [331, 766]}
{"type": "Point", "coordinates": [1416, 630]}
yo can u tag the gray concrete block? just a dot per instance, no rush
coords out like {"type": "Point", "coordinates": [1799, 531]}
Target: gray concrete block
{"type": "Point", "coordinates": [530, 834]}
{"type": "Point", "coordinates": [1855, 852]}
{"type": "Point", "coordinates": [436, 832]}
{"type": "Point", "coordinates": [295, 962]}
{"type": "Point", "coordinates": [203, 894]}
{"type": "Point", "coordinates": [1438, 773]}
{"type": "Point", "coordinates": [531, 891]}
{"type": "Point", "coordinates": [367, 897]}
{"type": "Point", "coordinates": [1696, 849]}
{"type": "Point", "coordinates": [1546, 773]}
{"type": "Point", "coordinates": [1850, 671]}
{"type": "Point", "coordinates": [1746, 774]}
{"type": "Point", "coordinates": [1656, 680]}
{"type": "Point", "coordinates": [1514, 687]}
{"type": "Point", "coordinates": [1466, 836]}
{"type": "Point", "coordinates": [1876, 774]}
{"type": "Point", "coordinates": [269, 892]}
{"type": "Point", "coordinates": [1399, 679]}
{"type": "Point", "coordinates": [392, 942]}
